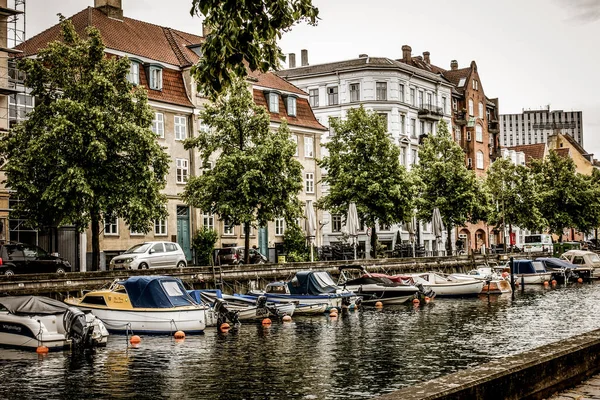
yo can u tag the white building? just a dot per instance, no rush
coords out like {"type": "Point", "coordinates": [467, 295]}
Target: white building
{"type": "Point", "coordinates": [534, 126]}
{"type": "Point", "coordinates": [412, 101]}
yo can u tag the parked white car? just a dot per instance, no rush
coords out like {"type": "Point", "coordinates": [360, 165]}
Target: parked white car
{"type": "Point", "coordinates": [150, 255]}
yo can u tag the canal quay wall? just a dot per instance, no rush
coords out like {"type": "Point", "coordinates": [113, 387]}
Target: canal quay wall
{"type": "Point", "coordinates": [533, 375]}
{"type": "Point", "coordinates": [238, 278]}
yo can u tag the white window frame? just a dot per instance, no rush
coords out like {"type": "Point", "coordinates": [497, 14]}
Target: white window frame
{"type": "Point", "coordinates": [413, 97]}
{"type": "Point", "coordinates": [479, 133]}
{"type": "Point", "coordinates": [182, 173]}
{"type": "Point", "coordinates": [134, 73]}
{"type": "Point", "coordinates": [479, 160]}
{"type": "Point", "coordinates": [481, 110]}
{"type": "Point", "coordinates": [291, 110]}
{"type": "Point", "coordinates": [160, 227]}
{"type": "Point", "coordinates": [313, 97]}
{"type": "Point", "coordinates": [279, 227]}
{"type": "Point", "coordinates": [294, 139]}
{"type": "Point", "coordinates": [336, 223]}
{"type": "Point", "coordinates": [158, 124]}
{"type": "Point", "coordinates": [111, 227]}
{"type": "Point", "coordinates": [228, 231]}
{"type": "Point", "coordinates": [309, 183]}
{"type": "Point", "coordinates": [274, 102]}
{"type": "Point", "coordinates": [309, 147]}
{"type": "Point", "coordinates": [401, 92]}
{"type": "Point", "coordinates": [180, 126]}
{"type": "Point", "coordinates": [403, 124]}
{"type": "Point", "coordinates": [471, 107]}
{"type": "Point", "coordinates": [208, 221]}
{"type": "Point", "coordinates": [381, 91]}
{"type": "Point", "coordinates": [357, 91]}
{"type": "Point", "coordinates": [156, 80]}
{"type": "Point", "coordinates": [333, 96]}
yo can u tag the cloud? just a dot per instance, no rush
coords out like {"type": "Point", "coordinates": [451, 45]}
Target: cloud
{"type": "Point", "coordinates": [582, 10]}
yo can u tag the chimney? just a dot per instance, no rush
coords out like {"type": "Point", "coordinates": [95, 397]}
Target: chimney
{"type": "Point", "coordinates": [426, 57]}
{"type": "Point", "coordinates": [292, 60]}
{"type": "Point", "coordinates": [205, 29]}
{"type": "Point", "coordinates": [453, 65]}
{"type": "Point", "coordinates": [112, 8]}
{"type": "Point", "coordinates": [304, 57]}
{"type": "Point", "coordinates": [363, 56]}
{"type": "Point", "coordinates": [406, 53]}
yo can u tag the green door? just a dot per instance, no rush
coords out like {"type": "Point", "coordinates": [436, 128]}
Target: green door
{"type": "Point", "coordinates": [183, 230]}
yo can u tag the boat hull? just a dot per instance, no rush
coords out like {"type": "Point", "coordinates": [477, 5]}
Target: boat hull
{"type": "Point", "coordinates": [371, 294]}
{"type": "Point", "coordinates": [456, 289]}
{"type": "Point", "coordinates": [530, 279]}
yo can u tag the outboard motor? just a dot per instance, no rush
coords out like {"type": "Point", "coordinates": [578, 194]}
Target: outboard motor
{"type": "Point", "coordinates": [425, 292]}
{"type": "Point", "coordinates": [224, 315]}
{"type": "Point", "coordinates": [77, 328]}
{"type": "Point", "coordinates": [261, 301]}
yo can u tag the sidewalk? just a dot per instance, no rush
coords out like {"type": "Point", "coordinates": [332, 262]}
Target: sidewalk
{"type": "Point", "coordinates": [589, 389]}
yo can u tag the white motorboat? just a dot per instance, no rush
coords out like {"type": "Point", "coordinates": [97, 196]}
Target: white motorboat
{"type": "Point", "coordinates": [145, 304]}
{"type": "Point", "coordinates": [495, 283]}
{"type": "Point", "coordinates": [530, 272]}
{"type": "Point", "coordinates": [28, 322]}
{"type": "Point", "coordinates": [446, 286]}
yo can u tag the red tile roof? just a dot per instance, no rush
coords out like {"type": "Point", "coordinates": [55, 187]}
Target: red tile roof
{"type": "Point", "coordinates": [535, 151]}
{"type": "Point", "coordinates": [272, 81]}
{"type": "Point", "coordinates": [304, 114]}
{"type": "Point", "coordinates": [563, 152]}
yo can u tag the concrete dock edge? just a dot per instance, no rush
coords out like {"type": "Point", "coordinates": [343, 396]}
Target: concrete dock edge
{"type": "Point", "coordinates": [533, 375]}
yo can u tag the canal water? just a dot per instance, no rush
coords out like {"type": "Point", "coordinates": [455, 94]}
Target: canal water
{"type": "Point", "coordinates": [357, 356]}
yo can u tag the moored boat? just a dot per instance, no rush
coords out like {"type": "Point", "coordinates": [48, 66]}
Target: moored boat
{"type": "Point", "coordinates": [28, 322]}
{"type": "Point", "coordinates": [145, 304]}
{"type": "Point", "coordinates": [495, 283]}
{"type": "Point", "coordinates": [446, 286]}
{"type": "Point", "coordinates": [528, 272]}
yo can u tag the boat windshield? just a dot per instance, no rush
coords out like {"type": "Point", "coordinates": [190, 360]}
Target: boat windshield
{"type": "Point", "coordinates": [539, 266]}
{"type": "Point", "coordinates": [138, 248]}
{"type": "Point", "coordinates": [594, 258]}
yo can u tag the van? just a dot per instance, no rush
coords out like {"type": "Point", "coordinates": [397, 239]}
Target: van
{"type": "Point", "coordinates": [539, 242]}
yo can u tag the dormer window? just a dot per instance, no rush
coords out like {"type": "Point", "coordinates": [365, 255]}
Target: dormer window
{"type": "Point", "coordinates": [155, 77]}
{"type": "Point", "coordinates": [273, 102]}
{"type": "Point", "coordinates": [291, 106]}
{"type": "Point", "coordinates": [134, 73]}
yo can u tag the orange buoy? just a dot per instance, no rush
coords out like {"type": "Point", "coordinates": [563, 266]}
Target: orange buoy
{"type": "Point", "coordinates": [416, 302]}
{"type": "Point", "coordinates": [42, 350]}
{"type": "Point", "coordinates": [135, 339]}
{"type": "Point", "coordinates": [287, 318]}
{"type": "Point", "coordinates": [553, 282]}
{"type": "Point", "coordinates": [266, 322]}
{"type": "Point", "coordinates": [224, 327]}
{"type": "Point", "coordinates": [579, 280]}
{"type": "Point", "coordinates": [179, 335]}
{"type": "Point", "coordinates": [333, 313]}
{"type": "Point", "coordinates": [505, 274]}
{"type": "Point", "coordinates": [546, 283]}
{"type": "Point", "coordinates": [427, 299]}
{"type": "Point", "coordinates": [379, 304]}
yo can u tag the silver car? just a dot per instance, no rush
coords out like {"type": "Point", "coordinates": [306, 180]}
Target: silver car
{"type": "Point", "coordinates": [150, 255]}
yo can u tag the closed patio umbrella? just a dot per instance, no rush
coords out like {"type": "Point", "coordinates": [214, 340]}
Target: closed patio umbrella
{"type": "Point", "coordinates": [412, 228]}
{"type": "Point", "coordinates": [311, 225]}
{"type": "Point", "coordinates": [352, 225]}
{"type": "Point", "coordinates": [437, 226]}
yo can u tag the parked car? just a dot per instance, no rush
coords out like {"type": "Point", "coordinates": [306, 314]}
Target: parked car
{"type": "Point", "coordinates": [20, 258]}
{"type": "Point", "coordinates": [235, 255]}
{"type": "Point", "coordinates": [583, 258]}
{"type": "Point", "coordinates": [150, 255]}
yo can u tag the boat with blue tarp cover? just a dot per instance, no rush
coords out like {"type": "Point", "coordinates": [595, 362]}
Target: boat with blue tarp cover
{"type": "Point", "coordinates": [309, 287]}
{"type": "Point", "coordinates": [145, 304]}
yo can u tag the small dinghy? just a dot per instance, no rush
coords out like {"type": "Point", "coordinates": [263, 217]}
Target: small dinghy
{"type": "Point", "coordinates": [29, 322]}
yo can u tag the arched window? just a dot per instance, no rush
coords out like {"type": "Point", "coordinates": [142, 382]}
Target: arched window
{"type": "Point", "coordinates": [479, 161]}
{"type": "Point", "coordinates": [479, 133]}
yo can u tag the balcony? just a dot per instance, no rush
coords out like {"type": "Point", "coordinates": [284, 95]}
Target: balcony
{"type": "Point", "coordinates": [493, 127]}
{"type": "Point", "coordinates": [430, 112]}
{"type": "Point", "coordinates": [460, 118]}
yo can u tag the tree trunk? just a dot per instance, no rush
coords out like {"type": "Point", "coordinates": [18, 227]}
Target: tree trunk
{"type": "Point", "coordinates": [95, 241]}
{"type": "Point", "coordinates": [246, 243]}
{"type": "Point", "coordinates": [373, 241]}
{"type": "Point", "coordinates": [510, 236]}
{"type": "Point", "coordinates": [449, 241]}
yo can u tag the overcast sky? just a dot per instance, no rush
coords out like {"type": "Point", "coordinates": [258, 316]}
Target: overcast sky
{"type": "Point", "coordinates": [529, 53]}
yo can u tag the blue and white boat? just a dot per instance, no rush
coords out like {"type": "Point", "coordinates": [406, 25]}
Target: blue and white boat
{"type": "Point", "coordinates": [309, 288]}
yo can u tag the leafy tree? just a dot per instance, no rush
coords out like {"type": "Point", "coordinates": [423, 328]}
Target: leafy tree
{"type": "Point", "coordinates": [244, 32]}
{"type": "Point", "coordinates": [446, 183]}
{"type": "Point", "coordinates": [255, 178]}
{"type": "Point", "coordinates": [203, 244]}
{"type": "Point", "coordinates": [86, 151]}
{"type": "Point", "coordinates": [295, 243]}
{"type": "Point", "coordinates": [363, 167]}
{"type": "Point", "coordinates": [568, 199]}
{"type": "Point", "coordinates": [514, 192]}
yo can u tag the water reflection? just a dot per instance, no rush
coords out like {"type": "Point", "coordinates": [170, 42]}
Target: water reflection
{"type": "Point", "coordinates": [355, 356]}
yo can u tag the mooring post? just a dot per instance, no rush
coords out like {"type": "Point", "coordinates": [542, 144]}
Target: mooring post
{"type": "Point", "coordinates": [522, 283]}
{"type": "Point", "coordinates": [512, 276]}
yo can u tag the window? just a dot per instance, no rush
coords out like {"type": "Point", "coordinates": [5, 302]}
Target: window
{"type": "Point", "coordinates": [475, 85]}
{"type": "Point", "coordinates": [354, 92]}
{"type": "Point", "coordinates": [19, 106]}
{"type": "Point", "coordinates": [414, 156]}
{"type": "Point", "coordinates": [422, 127]}
{"type": "Point", "coordinates": [332, 95]}
{"type": "Point", "coordinates": [156, 78]}
{"type": "Point", "coordinates": [403, 156]}
{"type": "Point", "coordinates": [309, 147]}
{"type": "Point", "coordinates": [384, 118]}
{"type": "Point", "coordinates": [208, 221]}
{"type": "Point", "coordinates": [468, 136]}
{"type": "Point", "coordinates": [170, 247]}
{"type": "Point", "coordinates": [134, 73]}
{"type": "Point", "coordinates": [135, 233]}
{"type": "Point", "coordinates": [480, 110]}
{"type": "Point", "coordinates": [205, 128]}
{"type": "Point", "coordinates": [291, 106]}
{"type": "Point", "coordinates": [274, 102]}
{"type": "Point", "coordinates": [158, 124]}
{"type": "Point", "coordinates": [401, 92]}
{"type": "Point", "coordinates": [111, 226]}
{"type": "Point", "coordinates": [310, 182]}
{"type": "Point", "coordinates": [208, 165]}
{"type": "Point", "coordinates": [444, 104]}
{"type": "Point", "coordinates": [412, 97]}
{"type": "Point", "coordinates": [479, 133]}
{"type": "Point", "coordinates": [455, 104]}
{"type": "Point", "coordinates": [336, 223]}
{"type": "Point", "coordinates": [182, 170]}
{"type": "Point", "coordinates": [180, 127]}
{"type": "Point", "coordinates": [413, 127]}
{"type": "Point", "coordinates": [279, 227]}
{"type": "Point", "coordinates": [160, 227]}
{"type": "Point", "coordinates": [420, 99]}
{"type": "Point", "coordinates": [471, 107]}
{"type": "Point", "coordinates": [402, 123]}
{"type": "Point", "coordinates": [381, 90]}
{"type": "Point", "coordinates": [295, 140]}
{"type": "Point", "coordinates": [158, 248]}
{"type": "Point", "coordinates": [429, 100]}
{"type": "Point", "coordinates": [313, 97]}
{"type": "Point", "coordinates": [227, 228]}
{"type": "Point", "coordinates": [457, 135]}
{"type": "Point", "coordinates": [479, 159]}
{"type": "Point", "coordinates": [469, 163]}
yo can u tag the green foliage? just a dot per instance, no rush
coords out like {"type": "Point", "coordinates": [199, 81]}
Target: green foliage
{"type": "Point", "coordinates": [515, 196]}
{"type": "Point", "coordinates": [255, 178]}
{"type": "Point", "coordinates": [203, 244]}
{"type": "Point", "coordinates": [567, 198]}
{"type": "Point", "coordinates": [244, 33]}
{"type": "Point", "coordinates": [446, 183]}
{"type": "Point", "coordinates": [294, 241]}
{"type": "Point", "coordinates": [87, 149]}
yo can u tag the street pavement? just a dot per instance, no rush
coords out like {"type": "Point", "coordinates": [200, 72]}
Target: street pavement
{"type": "Point", "coordinates": [588, 390]}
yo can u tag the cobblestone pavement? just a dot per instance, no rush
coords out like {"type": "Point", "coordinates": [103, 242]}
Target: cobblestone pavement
{"type": "Point", "coordinates": [588, 390]}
